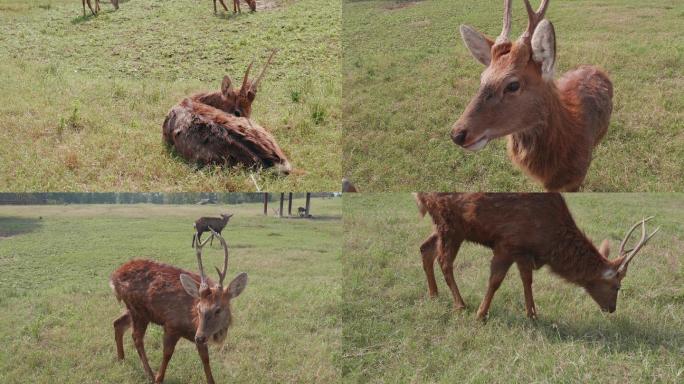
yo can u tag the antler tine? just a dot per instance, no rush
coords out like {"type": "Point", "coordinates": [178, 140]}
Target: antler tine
{"type": "Point", "coordinates": [534, 17]}
{"type": "Point", "coordinates": [245, 79]}
{"type": "Point", "coordinates": [621, 250]}
{"type": "Point", "coordinates": [644, 239]}
{"type": "Point", "coordinates": [198, 251]}
{"type": "Point", "coordinates": [222, 275]}
{"type": "Point", "coordinates": [263, 70]}
{"type": "Point", "coordinates": [506, 30]}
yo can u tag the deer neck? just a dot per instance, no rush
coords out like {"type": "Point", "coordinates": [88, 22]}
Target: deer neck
{"type": "Point", "coordinates": [575, 258]}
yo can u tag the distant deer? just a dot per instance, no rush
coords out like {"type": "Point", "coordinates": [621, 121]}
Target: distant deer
{"type": "Point", "coordinates": [236, 5]}
{"type": "Point", "coordinates": [347, 185]}
{"type": "Point", "coordinates": [552, 126]}
{"type": "Point", "coordinates": [530, 230]}
{"type": "Point", "coordinates": [206, 224]}
{"type": "Point", "coordinates": [184, 304]}
{"type": "Point", "coordinates": [237, 102]}
{"type": "Point", "coordinates": [115, 3]}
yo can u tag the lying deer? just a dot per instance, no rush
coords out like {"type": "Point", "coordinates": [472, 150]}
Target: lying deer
{"type": "Point", "coordinates": [552, 126]}
{"type": "Point", "coordinates": [530, 230]}
{"type": "Point", "coordinates": [115, 3]}
{"type": "Point", "coordinates": [236, 5]}
{"type": "Point", "coordinates": [207, 224]}
{"type": "Point", "coordinates": [237, 102]}
{"type": "Point", "coordinates": [184, 304]}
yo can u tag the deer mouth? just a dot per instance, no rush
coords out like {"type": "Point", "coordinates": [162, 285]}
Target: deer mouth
{"type": "Point", "coordinates": [477, 144]}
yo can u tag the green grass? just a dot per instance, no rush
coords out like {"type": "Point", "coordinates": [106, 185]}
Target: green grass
{"type": "Point", "coordinates": [83, 98]}
{"type": "Point", "coordinates": [408, 77]}
{"type": "Point", "coordinates": [57, 309]}
{"type": "Point", "coordinates": [393, 333]}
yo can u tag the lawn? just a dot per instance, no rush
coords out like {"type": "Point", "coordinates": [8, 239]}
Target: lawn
{"type": "Point", "coordinates": [408, 77]}
{"type": "Point", "coordinates": [84, 98]}
{"type": "Point", "coordinates": [393, 333]}
{"type": "Point", "coordinates": [57, 309]}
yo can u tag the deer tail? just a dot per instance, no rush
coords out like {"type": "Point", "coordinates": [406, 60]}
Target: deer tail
{"type": "Point", "coordinates": [113, 287]}
{"type": "Point", "coordinates": [422, 209]}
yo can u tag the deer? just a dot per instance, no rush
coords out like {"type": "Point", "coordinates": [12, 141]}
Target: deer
{"type": "Point", "coordinates": [551, 126]}
{"type": "Point", "coordinates": [236, 102]}
{"type": "Point", "coordinates": [186, 306]}
{"type": "Point", "coordinates": [531, 230]}
{"type": "Point", "coordinates": [95, 11]}
{"type": "Point", "coordinates": [207, 224]}
{"type": "Point", "coordinates": [236, 5]}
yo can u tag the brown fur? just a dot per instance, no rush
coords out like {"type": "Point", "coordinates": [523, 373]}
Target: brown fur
{"type": "Point", "coordinates": [203, 224]}
{"type": "Point", "coordinates": [205, 135]}
{"type": "Point", "coordinates": [531, 230]}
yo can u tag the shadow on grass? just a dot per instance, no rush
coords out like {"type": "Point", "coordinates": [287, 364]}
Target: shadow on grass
{"type": "Point", "coordinates": [12, 226]}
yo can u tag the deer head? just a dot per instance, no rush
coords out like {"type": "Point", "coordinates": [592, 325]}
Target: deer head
{"type": "Point", "coordinates": [213, 302]}
{"type": "Point", "coordinates": [226, 216]}
{"type": "Point", "coordinates": [604, 290]}
{"type": "Point", "coordinates": [515, 84]}
{"type": "Point", "coordinates": [238, 102]}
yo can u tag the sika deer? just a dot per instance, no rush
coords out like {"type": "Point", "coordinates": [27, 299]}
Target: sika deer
{"type": "Point", "coordinates": [236, 102]}
{"type": "Point", "coordinates": [552, 126]}
{"type": "Point", "coordinates": [530, 230]}
{"type": "Point", "coordinates": [206, 224]}
{"type": "Point", "coordinates": [173, 298]}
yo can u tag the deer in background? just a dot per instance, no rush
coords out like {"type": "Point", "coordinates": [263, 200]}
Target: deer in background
{"type": "Point", "coordinates": [115, 3]}
{"type": "Point", "coordinates": [530, 230]}
{"type": "Point", "coordinates": [236, 102]}
{"type": "Point", "coordinates": [236, 5]}
{"type": "Point", "coordinates": [552, 126]}
{"type": "Point", "coordinates": [207, 224]}
{"type": "Point", "coordinates": [184, 304]}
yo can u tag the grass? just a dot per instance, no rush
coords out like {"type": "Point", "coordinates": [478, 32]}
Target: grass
{"type": "Point", "coordinates": [408, 77]}
{"type": "Point", "coordinates": [393, 333]}
{"type": "Point", "coordinates": [84, 98]}
{"type": "Point", "coordinates": [57, 308]}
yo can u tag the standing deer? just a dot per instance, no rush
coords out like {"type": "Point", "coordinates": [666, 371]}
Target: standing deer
{"type": "Point", "coordinates": [207, 224]}
{"type": "Point", "coordinates": [236, 5]}
{"type": "Point", "coordinates": [236, 102]}
{"type": "Point", "coordinates": [115, 3]}
{"type": "Point", "coordinates": [552, 126]}
{"type": "Point", "coordinates": [173, 298]}
{"type": "Point", "coordinates": [530, 230]}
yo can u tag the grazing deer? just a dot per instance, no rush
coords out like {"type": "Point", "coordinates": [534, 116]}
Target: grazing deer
{"type": "Point", "coordinates": [205, 135]}
{"type": "Point", "coordinates": [530, 230]}
{"type": "Point", "coordinates": [237, 102]}
{"type": "Point", "coordinates": [206, 224]}
{"type": "Point", "coordinates": [115, 3]}
{"type": "Point", "coordinates": [552, 126]}
{"type": "Point", "coordinates": [236, 5]}
{"type": "Point", "coordinates": [184, 304]}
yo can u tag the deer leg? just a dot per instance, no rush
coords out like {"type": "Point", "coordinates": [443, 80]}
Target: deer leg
{"type": "Point", "coordinates": [526, 276]}
{"type": "Point", "coordinates": [429, 251]}
{"type": "Point", "coordinates": [224, 5]}
{"type": "Point", "coordinates": [139, 328]}
{"type": "Point", "coordinates": [447, 252]}
{"type": "Point", "coordinates": [91, 8]}
{"type": "Point", "coordinates": [204, 356]}
{"type": "Point", "coordinates": [170, 340]}
{"type": "Point", "coordinates": [115, 3]}
{"type": "Point", "coordinates": [498, 270]}
{"type": "Point", "coordinates": [97, 6]}
{"type": "Point", "coordinates": [121, 324]}
{"type": "Point", "coordinates": [214, 7]}
{"type": "Point", "coordinates": [83, 7]}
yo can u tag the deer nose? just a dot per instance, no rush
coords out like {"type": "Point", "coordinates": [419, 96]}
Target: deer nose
{"type": "Point", "coordinates": [459, 137]}
{"type": "Point", "coordinates": [200, 339]}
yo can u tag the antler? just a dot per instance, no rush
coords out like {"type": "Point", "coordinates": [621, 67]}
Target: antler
{"type": "Point", "coordinates": [534, 18]}
{"type": "Point", "coordinates": [632, 252]}
{"type": "Point", "coordinates": [503, 37]}
{"type": "Point", "coordinates": [245, 79]}
{"type": "Point", "coordinates": [222, 275]}
{"type": "Point", "coordinates": [261, 75]}
{"type": "Point", "coordinates": [198, 251]}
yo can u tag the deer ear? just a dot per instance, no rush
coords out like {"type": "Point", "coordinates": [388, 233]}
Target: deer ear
{"type": "Point", "coordinates": [251, 94]}
{"type": "Point", "coordinates": [604, 249]}
{"type": "Point", "coordinates": [478, 44]}
{"type": "Point", "coordinates": [190, 285]}
{"type": "Point", "coordinates": [225, 85]}
{"type": "Point", "coordinates": [544, 48]}
{"type": "Point", "coordinates": [237, 285]}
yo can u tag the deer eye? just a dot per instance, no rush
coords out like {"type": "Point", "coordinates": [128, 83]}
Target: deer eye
{"type": "Point", "coordinates": [512, 87]}
{"type": "Point", "coordinates": [218, 310]}
{"type": "Point", "coordinates": [237, 113]}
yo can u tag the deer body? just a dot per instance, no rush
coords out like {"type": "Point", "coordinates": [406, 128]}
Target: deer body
{"type": "Point", "coordinates": [184, 304]}
{"type": "Point", "coordinates": [530, 230]}
{"type": "Point", "coordinates": [552, 126]}
{"type": "Point", "coordinates": [207, 224]}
